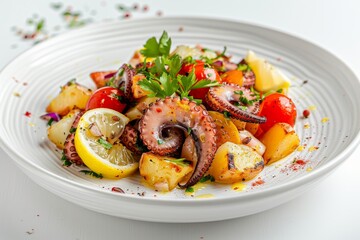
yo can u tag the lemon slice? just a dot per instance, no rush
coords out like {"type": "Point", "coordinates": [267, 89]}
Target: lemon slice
{"type": "Point", "coordinates": [268, 77]}
{"type": "Point", "coordinates": [96, 142]}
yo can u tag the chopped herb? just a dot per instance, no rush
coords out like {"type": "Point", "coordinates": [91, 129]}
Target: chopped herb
{"type": "Point", "coordinates": [207, 178]}
{"type": "Point", "coordinates": [244, 67]}
{"type": "Point", "coordinates": [180, 161]}
{"type": "Point", "coordinates": [239, 92]}
{"type": "Point", "coordinates": [40, 25]}
{"type": "Point", "coordinates": [92, 173]}
{"type": "Point", "coordinates": [51, 120]}
{"type": "Point", "coordinates": [279, 90]}
{"type": "Point", "coordinates": [227, 114]}
{"type": "Point", "coordinates": [159, 141]}
{"type": "Point", "coordinates": [72, 130]}
{"type": "Point", "coordinates": [66, 162]}
{"type": "Point", "coordinates": [190, 190]}
{"type": "Point", "coordinates": [71, 82]}
{"type": "Point", "coordinates": [189, 130]}
{"type": "Point", "coordinates": [105, 143]}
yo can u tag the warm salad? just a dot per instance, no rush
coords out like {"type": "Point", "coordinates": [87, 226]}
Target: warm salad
{"type": "Point", "coordinates": [178, 117]}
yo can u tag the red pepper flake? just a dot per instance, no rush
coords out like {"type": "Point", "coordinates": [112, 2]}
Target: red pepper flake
{"type": "Point", "coordinates": [127, 15]}
{"type": "Point", "coordinates": [117, 189]}
{"type": "Point", "coordinates": [27, 114]}
{"type": "Point", "coordinates": [145, 8]}
{"type": "Point", "coordinates": [136, 6]}
{"type": "Point", "coordinates": [298, 164]}
{"type": "Point", "coordinates": [25, 84]}
{"type": "Point", "coordinates": [306, 113]}
{"type": "Point", "coordinates": [258, 182]}
{"type": "Point", "coordinates": [181, 29]}
{"type": "Point", "coordinates": [159, 13]}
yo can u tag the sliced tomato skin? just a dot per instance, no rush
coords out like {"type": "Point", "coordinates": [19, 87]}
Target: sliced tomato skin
{"type": "Point", "coordinates": [202, 71]}
{"type": "Point", "coordinates": [106, 97]}
{"type": "Point", "coordinates": [277, 108]}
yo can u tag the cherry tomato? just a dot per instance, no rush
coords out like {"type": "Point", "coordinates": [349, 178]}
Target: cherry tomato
{"type": "Point", "coordinates": [106, 97]}
{"type": "Point", "coordinates": [202, 71]}
{"type": "Point", "coordinates": [276, 108]}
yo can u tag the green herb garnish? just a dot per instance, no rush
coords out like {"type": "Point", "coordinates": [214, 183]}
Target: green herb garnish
{"type": "Point", "coordinates": [207, 178]}
{"type": "Point", "coordinates": [226, 114]}
{"type": "Point", "coordinates": [153, 48]}
{"type": "Point", "coordinates": [72, 130]}
{"type": "Point", "coordinates": [66, 162]}
{"type": "Point", "coordinates": [180, 161]}
{"type": "Point", "coordinates": [162, 78]}
{"type": "Point", "coordinates": [189, 189]}
{"type": "Point", "coordinates": [92, 173]}
{"type": "Point", "coordinates": [105, 143]}
{"type": "Point", "coordinates": [51, 120]}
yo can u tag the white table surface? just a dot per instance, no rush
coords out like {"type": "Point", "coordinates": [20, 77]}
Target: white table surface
{"type": "Point", "coordinates": [329, 211]}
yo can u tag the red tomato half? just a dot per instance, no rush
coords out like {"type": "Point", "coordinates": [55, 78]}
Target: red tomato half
{"type": "Point", "coordinates": [201, 72]}
{"type": "Point", "coordinates": [277, 108]}
{"type": "Point", "coordinates": [106, 97]}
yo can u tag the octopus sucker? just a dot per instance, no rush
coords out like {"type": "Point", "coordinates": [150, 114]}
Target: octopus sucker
{"type": "Point", "coordinates": [124, 79]}
{"type": "Point", "coordinates": [224, 97]}
{"type": "Point", "coordinates": [69, 145]}
{"type": "Point", "coordinates": [131, 140]}
{"type": "Point", "coordinates": [159, 134]}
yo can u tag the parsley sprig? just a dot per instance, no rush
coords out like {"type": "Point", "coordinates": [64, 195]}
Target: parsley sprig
{"type": "Point", "coordinates": [163, 78]}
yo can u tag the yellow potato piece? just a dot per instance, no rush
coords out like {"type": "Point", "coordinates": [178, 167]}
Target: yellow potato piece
{"type": "Point", "coordinates": [280, 140]}
{"type": "Point", "coordinates": [163, 173]}
{"type": "Point", "coordinates": [71, 96]}
{"type": "Point", "coordinates": [226, 131]}
{"type": "Point", "coordinates": [235, 162]}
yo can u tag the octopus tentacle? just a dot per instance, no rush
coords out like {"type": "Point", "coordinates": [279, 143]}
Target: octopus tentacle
{"type": "Point", "coordinates": [248, 75]}
{"type": "Point", "coordinates": [222, 98]}
{"type": "Point", "coordinates": [69, 145]}
{"type": "Point", "coordinates": [189, 117]}
{"type": "Point", "coordinates": [124, 79]}
{"type": "Point", "coordinates": [130, 138]}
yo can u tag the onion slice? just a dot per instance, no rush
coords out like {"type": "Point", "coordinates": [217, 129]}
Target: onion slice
{"type": "Point", "coordinates": [51, 115]}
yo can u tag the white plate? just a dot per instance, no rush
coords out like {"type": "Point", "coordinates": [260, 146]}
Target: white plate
{"type": "Point", "coordinates": [332, 91]}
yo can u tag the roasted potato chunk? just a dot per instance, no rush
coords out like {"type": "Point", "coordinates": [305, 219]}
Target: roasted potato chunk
{"type": "Point", "coordinates": [280, 140]}
{"type": "Point", "coordinates": [72, 96]}
{"type": "Point", "coordinates": [234, 163]}
{"type": "Point", "coordinates": [58, 131]}
{"type": "Point", "coordinates": [163, 173]}
{"type": "Point", "coordinates": [226, 130]}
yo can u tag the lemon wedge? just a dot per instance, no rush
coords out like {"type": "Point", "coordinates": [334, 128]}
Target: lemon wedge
{"type": "Point", "coordinates": [96, 142]}
{"type": "Point", "coordinates": [268, 77]}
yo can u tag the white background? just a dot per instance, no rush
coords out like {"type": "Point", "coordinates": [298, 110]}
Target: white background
{"type": "Point", "coordinates": [329, 211]}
